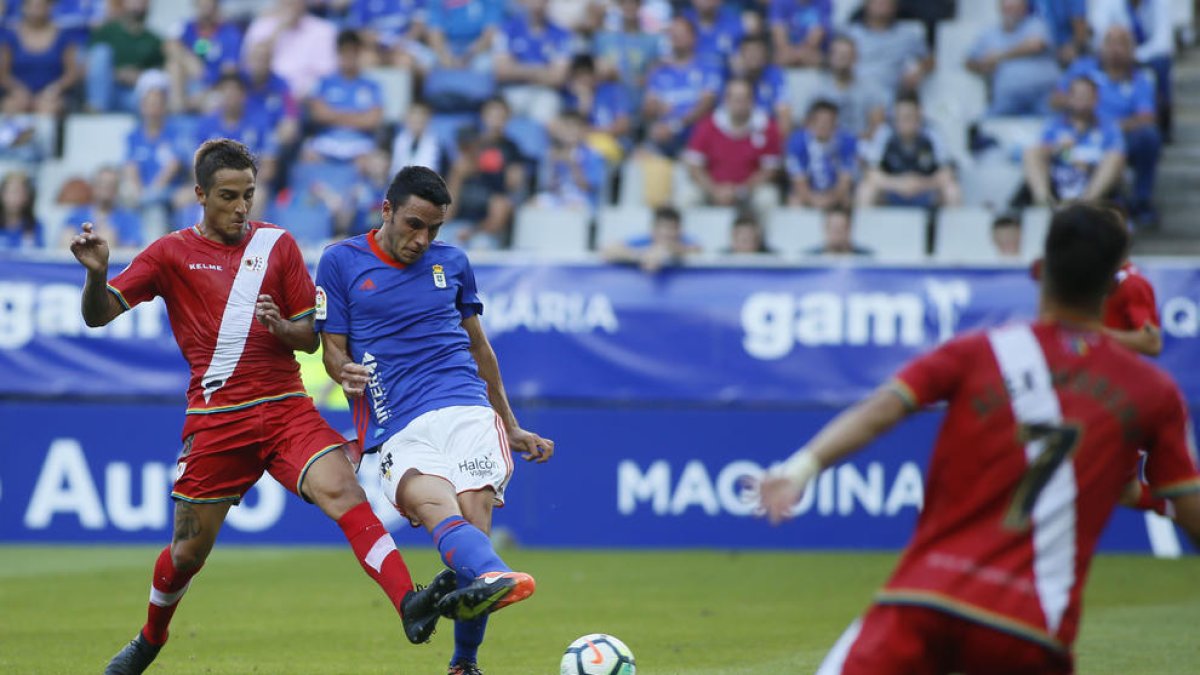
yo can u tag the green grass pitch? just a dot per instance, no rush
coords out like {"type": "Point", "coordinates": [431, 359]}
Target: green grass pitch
{"type": "Point", "coordinates": [305, 610]}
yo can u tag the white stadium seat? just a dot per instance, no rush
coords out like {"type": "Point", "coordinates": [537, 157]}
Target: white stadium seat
{"type": "Point", "coordinates": [895, 234]}
{"type": "Point", "coordinates": [710, 226]}
{"type": "Point", "coordinates": [792, 231]}
{"type": "Point", "coordinates": [396, 85]}
{"type": "Point", "coordinates": [1035, 223]}
{"type": "Point", "coordinates": [544, 230]}
{"type": "Point", "coordinates": [1014, 134]}
{"type": "Point", "coordinates": [990, 184]}
{"type": "Point", "coordinates": [954, 42]}
{"type": "Point", "coordinates": [618, 224]}
{"type": "Point", "coordinates": [92, 141]}
{"type": "Point", "coordinates": [964, 234]}
{"type": "Point", "coordinates": [800, 86]}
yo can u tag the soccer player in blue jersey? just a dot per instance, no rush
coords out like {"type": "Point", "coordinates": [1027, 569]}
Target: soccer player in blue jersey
{"type": "Point", "coordinates": [398, 315]}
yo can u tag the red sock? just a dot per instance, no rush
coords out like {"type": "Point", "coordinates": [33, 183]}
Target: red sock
{"type": "Point", "coordinates": [376, 552]}
{"type": "Point", "coordinates": [166, 589]}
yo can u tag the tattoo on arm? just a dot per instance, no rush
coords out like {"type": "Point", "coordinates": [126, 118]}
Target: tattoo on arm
{"type": "Point", "coordinates": [187, 523]}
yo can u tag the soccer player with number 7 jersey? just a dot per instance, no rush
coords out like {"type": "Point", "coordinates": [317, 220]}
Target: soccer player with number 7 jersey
{"type": "Point", "coordinates": [240, 302]}
{"type": "Point", "coordinates": [1040, 437]}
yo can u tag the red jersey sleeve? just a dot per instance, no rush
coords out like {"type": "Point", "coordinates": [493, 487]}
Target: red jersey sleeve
{"type": "Point", "coordinates": [934, 376]}
{"type": "Point", "coordinates": [300, 293]}
{"type": "Point", "coordinates": [1171, 467]}
{"type": "Point", "coordinates": [138, 282]}
{"type": "Point", "coordinates": [1139, 304]}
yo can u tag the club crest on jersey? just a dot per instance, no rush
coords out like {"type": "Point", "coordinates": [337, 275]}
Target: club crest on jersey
{"type": "Point", "coordinates": [321, 305]}
{"type": "Point", "coordinates": [439, 276]}
{"type": "Point", "coordinates": [254, 263]}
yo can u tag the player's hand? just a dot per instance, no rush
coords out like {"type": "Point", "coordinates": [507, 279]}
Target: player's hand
{"type": "Point", "coordinates": [90, 250]}
{"type": "Point", "coordinates": [268, 314]}
{"type": "Point", "coordinates": [533, 448]}
{"type": "Point", "coordinates": [355, 377]}
{"type": "Point", "coordinates": [777, 495]}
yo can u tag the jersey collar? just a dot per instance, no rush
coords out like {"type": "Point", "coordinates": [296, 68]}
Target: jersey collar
{"type": "Point", "coordinates": [380, 253]}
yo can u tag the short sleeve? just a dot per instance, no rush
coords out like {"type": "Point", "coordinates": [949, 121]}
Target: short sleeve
{"type": "Point", "coordinates": [1171, 452]}
{"type": "Point", "coordinates": [138, 282]}
{"type": "Point", "coordinates": [331, 311]}
{"type": "Point", "coordinates": [934, 376]}
{"type": "Point", "coordinates": [300, 300]}
{"type": "Point", "coordinates": [468, 301]}
{"type": "Point", "coordinates": [1140, 307]}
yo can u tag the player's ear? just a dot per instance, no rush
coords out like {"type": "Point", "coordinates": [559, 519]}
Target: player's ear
{"type": "Point", "coordinates": [386, 211]}
{"type": "Point", "coordinates": [199, 193]}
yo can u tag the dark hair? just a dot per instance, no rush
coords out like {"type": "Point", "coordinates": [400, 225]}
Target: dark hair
{"type": "Point", "coordinates": [349, 38]}
{"type": "Point", "coordinates": [583, 62]}
{"type": "Point", "coordinates": [822, 104]}
{"type": "Point", "coordinates": [907, 97]}
{"type": "Point", "coordinates": [499, 100]}
{"type": "Point", "coordinates": [217, 154]}
{"type": "Point", "coordinates": [1088, 81]}
{"type": "Point", "coordinates": [418, 181]}
{"type": "Point", "coordinates": [746, 217]}
{"type": "Point", "coordinates": [28, 221]}
{"type": "Point", "coordinates": [466, 137]}
{"type": "Point", "coordinates": [842, 37]}
{"type": "Point", "coordinates": [1085, 246]}
{"type": "Point", "coordinates": [235, 78]}
{"type": "Point", "coordinates": [838, 210]}
{"type": "Point", "coordinates": [572, 116]}
{"type": "Point", "coordinates": [667, 213]}
{"type": "Point", "coordinates": [756, 38]}
{"type": "Point", "coordinates": [1006, 219]}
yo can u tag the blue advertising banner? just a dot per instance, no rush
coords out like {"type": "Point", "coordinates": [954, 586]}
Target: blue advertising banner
{"type": "Point", "coordinates": [599, 333]}
{"type": "Point", "coordinates": [622, 477]}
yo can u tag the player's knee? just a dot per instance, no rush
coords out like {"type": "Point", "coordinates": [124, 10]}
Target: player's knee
{"type": "Point", "coordinates": [187, 556]}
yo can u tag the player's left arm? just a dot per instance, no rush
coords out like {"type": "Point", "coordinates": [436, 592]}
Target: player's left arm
{"type": "Point", "coordinates": [1147, 341]}
{"type": "Point", "coordinates": [531, 446]}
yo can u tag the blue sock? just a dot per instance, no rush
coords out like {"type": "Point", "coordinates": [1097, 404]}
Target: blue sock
{"type": "Point", "coordinates": [466, 549]}
{"type": "Point", "coordinates": [468, 635]}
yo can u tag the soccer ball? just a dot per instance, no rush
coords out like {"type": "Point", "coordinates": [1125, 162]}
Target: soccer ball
{"type": "Point", "coordinates": [598, 654]}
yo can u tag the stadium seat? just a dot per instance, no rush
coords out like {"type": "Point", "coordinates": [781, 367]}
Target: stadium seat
{"type": "Point", "coordinates": [555, 231]}
{"type": "Point", "coordinates": [309, 221]}
{"type": "Point", "coordinates": [1035, 223]}
{"type": "Point", "coordinates": [615, 225]}
{"type": "Point", "coordinates": [964, 234]}
{"type": "Point", "coordinates": [445, 127]}
{"type": "Point", "coordinates": [91, 141]}
{"type": "Point", "coordinates": [51, 174]}
{"type": "Point", "coordinates": [1014, 134]}
{"type": "Point", "coordinates": [990, 184]}
{"type": "Point", "coordinates": [793, 231]}
{"type": "Point", "coordinates": [842, 10]}
{"type": "Point", "coordinates": [684, 190]}
{"type": "Point", "coordinates": [895, 234]}
{"type": "Point", "coordinates": [954, 42]}
{"type": "Point", "coordinates": [953, 92]}
{"type": "Point", "coordinates": [397, 86]}
{"type": "Point", "coordinates": [710, 226]}
{"type": "Point", "coordinates": [978, 12]}
{"type": "Point", "coordinates": [630, 191]}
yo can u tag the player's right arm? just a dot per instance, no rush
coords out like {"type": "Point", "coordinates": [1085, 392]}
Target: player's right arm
{"type": "Point", "coordinates": [99, 306]}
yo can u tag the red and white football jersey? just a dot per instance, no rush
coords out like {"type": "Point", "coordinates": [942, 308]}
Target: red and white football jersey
{"type": "Point", "coordinates": [211, 289]}
{"type": "Point", "coordinates": [1040, 437]}
{"type": "Point", "coordinates": [1131, 304]}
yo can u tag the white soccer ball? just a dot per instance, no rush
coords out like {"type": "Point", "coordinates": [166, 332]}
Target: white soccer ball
{"type": "Point", "coordinates": [598, 654]}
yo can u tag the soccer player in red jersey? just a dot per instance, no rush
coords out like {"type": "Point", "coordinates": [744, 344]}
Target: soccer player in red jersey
{"type": "Point", "coordinates": [240, 301]}
{"type": "Point", "coordinates": [1042, 430]}
{"type": "Point", "coordinates": [1130, 313]}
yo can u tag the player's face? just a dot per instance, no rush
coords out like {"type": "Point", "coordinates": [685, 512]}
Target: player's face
{"type": "Point", "coordinates": [227, 203]}
{"type": "Point", "coordinates": [414, 225]}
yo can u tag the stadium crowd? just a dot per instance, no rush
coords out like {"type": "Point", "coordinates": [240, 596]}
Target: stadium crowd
{"type": "Point", "coordinates": [574, 106]}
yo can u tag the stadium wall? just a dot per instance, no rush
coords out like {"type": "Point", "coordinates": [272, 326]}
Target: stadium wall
{"type": "Point", "coordinates": [662, 392]}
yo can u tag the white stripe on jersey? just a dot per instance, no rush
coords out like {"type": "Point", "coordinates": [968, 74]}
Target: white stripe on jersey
{"type": "Point", "coordinates": [1023, 365]}
{"type": "Point", "coordinates": [239, 310]}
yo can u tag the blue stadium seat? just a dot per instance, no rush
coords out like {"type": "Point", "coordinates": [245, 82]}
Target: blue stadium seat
{"type": "Point", "coordinates": [446, 125]}
{"type": "Point", "coordinates": [308, 221]}
{"type": "Point", "coordinates": [530, 136]}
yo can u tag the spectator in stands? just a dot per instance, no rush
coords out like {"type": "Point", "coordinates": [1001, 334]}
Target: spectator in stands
{"type": "Point", "coordinates": [303, 47]}
{"type": "Point", "coordinates": [718, 29]}
{"type": "Point", "coordinates": [501, 160]}
{"type": "Point", "coordinates": [836, 229]}
{"type": "Point", "coordinates": [665, 246]}
{"type": "Point", "coordinates": [753, 63]}
{"type": "Point", "coordinates": [20, 140]}
{"type": "Point", "coordinates": [462, 34]}
{"type": "Point", "coordinates": [415, 144]}
{"type": "Point", "coordinates": [20, 230]}
{"type": "Point", "coordinates": [1150, 22]}
{"type": "Point", "coordinates": [75, 17]}
{"type": "Point", "coordinates": [121, 227]}
{"type": "Point", "coordinates": [573, 173]}
{"type": "Point", "coordinates": [800, 30]}
{"type": "Point", "coordinates": [680, 91]}
{"type": "Point", "coordinates": [1126, 96]}
{"type": "Point", "coordinates": [394, 32]}
{"type": "Point", "coordinates": [346, 107]}
{"type": "Point", "coordinates": [822, 161]}
{"type": "Point", "coordinates": [605, 105]}
{"type": "Point", "coordinates": [890, 56]}
{"type": "Point", "coordinates": [233, 119]}
{"type": "Point", "coordinates": [156, 149]}
{"type": "Point", "coordinates": [747, 236]}
{"type": "Point", "coordinates": [1006, 235]}
{"type": "Point", "coordinates": [1067, 21]}
{"type": "Point", "coordinates": [1018, 60]}
{"type": "Point", "coordinates": [908, 166]}
{"type": "Point", "coordinates": [735, 153]}
{"type": "Point", "coordinates": [121, 50]}
{"type": "Point", "coordinates": [629, 49]}
{"type": "Point", "coordinates": [269, 95]}
{"type": "Point", "coordinates": [1081, 155]}
{"type": "Point", "coordinates": [38, 62]}
{"type": "Point", "coordinates": [481, 215]}
{"type": "Point", "coordinates": [532, 60]}
{"type": "Point", "coordinates": [358, 210]}
{"type": "Point", "coordinates": [202, 50]}
{"type": "Point", "coordinates": [862, 106]}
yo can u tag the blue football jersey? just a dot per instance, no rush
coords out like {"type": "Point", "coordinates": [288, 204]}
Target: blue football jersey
{"type": "Point", "coordinates": [404, 323]}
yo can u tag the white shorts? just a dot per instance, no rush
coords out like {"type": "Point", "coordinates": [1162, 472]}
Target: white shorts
{"type": "Point", "coordinates": [466, 445]}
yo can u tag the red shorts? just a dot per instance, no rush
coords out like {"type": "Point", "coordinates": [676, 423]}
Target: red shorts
{"type": "Point", "coordinates": [224, 454]}
{"type": "Point", "coordinates": [909, 640]}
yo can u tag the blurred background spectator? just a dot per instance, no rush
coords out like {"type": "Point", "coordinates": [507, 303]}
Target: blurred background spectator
{"type": "Point", "coordinates": [1068, 24]}
{"type": "Point", "coordinates": [862, 105]}
{"type": "Point", "coordinates": [415, 144]}
{"type": "Point", "coordinates": [800, 30]}
{"type": "Point", "coordinates": [822, 161]}
{"type": "Point", "coordinates": [532, 60]}
{"type": "Point", "coordinates": [753, 64]}
{"type": "Point", "coordinates": [199, 53]}
{"type": "Point", "coordinates": [1006, 236]}
{"type": "Point", "coordinates": [346, 108]}
{"type": "Point", "coordinates": [303, 47]}
{"type": "Point", "coordinates": [747, 236]}
{"type": "Point", "coordinates": [462, 33]}
{"type": "Point", "coordinates": [665, 245]}
{"type": "Point", "coordinates": [39, 64]}
{"type": "Point", "coordinates": [121, 226]}
{"type": "Point", "coordinates": [394, 32]}
{"type": "Point", "coordinates": [1017, 59]}
{"type": "Point", "coordinates": [1150, 24]}
{"type": "Point", "coordinates": [20, 230]}
{"type": "Point", "coordinates": [907, 163]}
{"type": "Point", "coordinates": [891, 55]}
{"type": "Point", "coordinates": [680, 91]}
{"type": "Point", "coordinates": [605, 105]}
{"type": "Point", "coordinates": [837, 238]}
{"type": "Point", "coordinates": [718, 31]}
{"type": "Point", "coordinates": [573, 173]}
{"type": "Point", "coordinates": [734, 154]}
{"type": "Point", "coordinates": [121, 50]}
{"type": "Point", "coordinates": [156, 152]}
